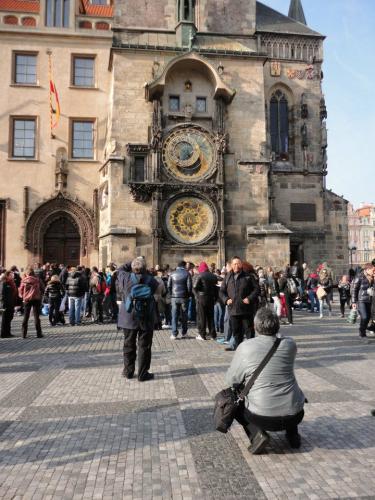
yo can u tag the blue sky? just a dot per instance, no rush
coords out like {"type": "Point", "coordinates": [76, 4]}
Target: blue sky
{"type": "Point", "coordinates": [349, 79]}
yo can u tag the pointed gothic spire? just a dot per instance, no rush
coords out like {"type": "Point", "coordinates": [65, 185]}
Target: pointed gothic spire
{"type": "Point", "coordinates": [296, 11]}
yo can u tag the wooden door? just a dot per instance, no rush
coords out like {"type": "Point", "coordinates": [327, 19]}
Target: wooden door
{"type": "Point", "coordinates": [62, 242]}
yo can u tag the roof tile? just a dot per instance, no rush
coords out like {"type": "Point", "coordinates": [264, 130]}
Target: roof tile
{"type": "Point", "coordinates": [29, 6]}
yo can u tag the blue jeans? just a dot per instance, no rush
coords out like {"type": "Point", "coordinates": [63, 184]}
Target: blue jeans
{"type": "Point", "coordinates": [179, 309]}
{"type": "Point", "coordinates": [314, 302]}
{"type": "Point", "coordinates": [75, 304]}
{"type": "Point", "coordinates": [219, 312]}
{"type": "Point", "coordinates": [364, 310]}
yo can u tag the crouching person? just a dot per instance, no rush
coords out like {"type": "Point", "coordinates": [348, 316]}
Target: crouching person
{"type": "Point", "coordinates": [275, 402]}
{"type": "Point", "coordinates": [137, 318]}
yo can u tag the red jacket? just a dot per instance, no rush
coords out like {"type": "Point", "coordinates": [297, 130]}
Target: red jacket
{"type": "Point", "coordinates": [30, 289]}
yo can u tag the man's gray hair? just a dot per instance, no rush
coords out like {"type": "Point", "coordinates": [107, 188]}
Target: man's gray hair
{"type": "Point", "coordinates": [266, 322]}
{"type": "Point", "coordinates": [138, 265]}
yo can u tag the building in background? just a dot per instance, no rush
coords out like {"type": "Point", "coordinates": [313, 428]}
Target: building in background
{"type": "Point", "coordinates": [54, 103]}
{"type": "Point", "coordinates": [361, 234]}
{"type": "Point", "coordinates": [198, 130]}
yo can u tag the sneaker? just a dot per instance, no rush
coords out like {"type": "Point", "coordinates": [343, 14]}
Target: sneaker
{"type": "Point", "coordinates": [370, 334]}
{"type": "Point", "coordinates": [165, 327]}
{"type": "Point", "coordinates": [173, 337]}
{"type": "Point", "coordinates": [320, 315]}
{"type": "Point", "coordinates": [259, 442]}
{"type": "Point", "coordinates": [199, 337]}
{"type": "Point", "coordinates": [294, 440]}
{"type": "Point", "coordinates": [229, 349]}
{"type": "Point", "coordinates": [220, 341]}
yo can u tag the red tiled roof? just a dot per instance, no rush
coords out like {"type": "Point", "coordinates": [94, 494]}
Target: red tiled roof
{"type": "Point", "coordinates": [363, 212]}
{"type": "Point", "coordinates": [30, 6]}
{"type": "Point", "coordinates": [88, 8]}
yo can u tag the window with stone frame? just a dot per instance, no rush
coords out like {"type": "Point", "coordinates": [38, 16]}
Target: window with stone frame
{"type": "Point", "coordinates": [25, 68]}
{"type": "Point", "coordinates": [279, 125]}
{"type": "Point", "coordinates": [174, 103]}
{"type": "Point", "coordinates": [139, 169]}
{"type": "Point", "coordinates": [83, 139]}
{"type": "Point", "coordinates": [83, 71]}
{"type": "Point", "coordinates": [201, 104]}
{"type": "Point", "coordinates": [23, 137]}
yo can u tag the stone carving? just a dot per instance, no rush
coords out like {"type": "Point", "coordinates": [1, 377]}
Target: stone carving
{"type": "Point", "coordinates": [221, 142]}
{"type": "Point", "coordinates": [47, 212]}
{"type": "Point", "coordinates": [110, 148]}
{"type": "Point", "coordinates": [141, 192]}
{"type": "Point", "coordinates": [133, 149]}
{"type": "Point", "coordinates": [304, 108]}
{"type": "Point", "coordinates": [275, 68]}
{"type": "Point", "coordinates": [61, 170]}
{"type": "Point", "coordinates": [157, 135]}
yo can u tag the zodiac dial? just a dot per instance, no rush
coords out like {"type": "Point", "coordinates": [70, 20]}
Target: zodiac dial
{"type": "Point", "coordinates": [189, 154]}
{"type": "Point", "coordinates": [190, 220]}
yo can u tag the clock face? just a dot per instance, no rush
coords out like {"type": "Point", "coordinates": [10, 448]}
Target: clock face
{"type": "Point", "coordinates": [189, 154]}
{"type": "Point", "coordinates": [190, 220]}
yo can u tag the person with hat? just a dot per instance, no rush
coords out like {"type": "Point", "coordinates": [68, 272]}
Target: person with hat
{"type": "Point", "coordinates": [206, 291]}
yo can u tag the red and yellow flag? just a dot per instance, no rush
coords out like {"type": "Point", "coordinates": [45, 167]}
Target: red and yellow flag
{"type": "Point", "coordinates": [54, 101]}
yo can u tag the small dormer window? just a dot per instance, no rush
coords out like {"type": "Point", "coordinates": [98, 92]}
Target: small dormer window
{"type": "Point", "coordinates": [99, 2]}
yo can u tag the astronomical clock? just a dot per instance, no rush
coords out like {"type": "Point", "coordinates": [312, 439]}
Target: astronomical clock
{"type": "Point", "coordinates": [189, 215]}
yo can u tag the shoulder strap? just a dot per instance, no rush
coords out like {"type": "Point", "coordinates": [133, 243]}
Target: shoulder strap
{"type": "Point", "coordinates": [257, 372]}
{"type": "Point", "coordinates": [133, 277]}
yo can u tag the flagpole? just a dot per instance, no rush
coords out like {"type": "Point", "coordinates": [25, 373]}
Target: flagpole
{"type": "Point", "coordinates": [49, 52]}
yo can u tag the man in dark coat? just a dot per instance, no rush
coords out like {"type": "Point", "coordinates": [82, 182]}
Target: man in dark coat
{"type": "Point", "coordinates": [240, 292]}
{"type": "Point", "coordinates": [206, 290]}
{"type": "Point", "coordinates": [180, 288]}
{"type": "Point", "coordinates": [133, 327]}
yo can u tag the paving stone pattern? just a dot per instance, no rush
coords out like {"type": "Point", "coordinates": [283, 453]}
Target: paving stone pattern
{"type": "Point", "coordinates": [72, 428]}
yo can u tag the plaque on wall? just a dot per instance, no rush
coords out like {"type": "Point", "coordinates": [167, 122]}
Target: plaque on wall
{"type": "Point", "coordinates": [190, 220]}
{"type": "Point", "coordinates": [189, 154]}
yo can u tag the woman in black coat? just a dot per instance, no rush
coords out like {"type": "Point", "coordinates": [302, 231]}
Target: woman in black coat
{"type": "Point", "coordinates": [8, 298]}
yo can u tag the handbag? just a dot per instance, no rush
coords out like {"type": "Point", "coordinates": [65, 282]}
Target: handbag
{"type": "Point", "coordinates": [321, 293]}
{"type": "Point", "coordinates": [228, 400]}
{"type": "Point", "coordinates": [353, 315]}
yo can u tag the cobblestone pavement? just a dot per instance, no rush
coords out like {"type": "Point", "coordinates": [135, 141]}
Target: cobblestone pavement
{"type": "Point", "coordinates": [72, 427]}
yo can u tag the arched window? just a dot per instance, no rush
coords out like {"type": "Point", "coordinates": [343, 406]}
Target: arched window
{"type": "Point", "coordinates": [279, 124]}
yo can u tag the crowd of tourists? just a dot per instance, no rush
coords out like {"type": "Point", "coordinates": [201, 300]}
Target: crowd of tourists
{"type": "Point", "coordinates": [218, 301]}
{"type": "Point", "coordinates": [236, 302]}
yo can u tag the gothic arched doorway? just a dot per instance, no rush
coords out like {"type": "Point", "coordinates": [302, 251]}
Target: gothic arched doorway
{"type": "Point", "coordinates": [62, 242]}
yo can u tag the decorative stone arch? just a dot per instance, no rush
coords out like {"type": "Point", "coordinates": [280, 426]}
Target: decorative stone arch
{"type": "Point", "coordinates": [155, 89]}
{"type": "Point", "coordinates": [285, 89]}
{"type": "Point", "coordinates": [43, 216]}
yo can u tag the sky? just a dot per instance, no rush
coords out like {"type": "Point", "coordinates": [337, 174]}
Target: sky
{"type": "Point", "coordinates": [348, 85]}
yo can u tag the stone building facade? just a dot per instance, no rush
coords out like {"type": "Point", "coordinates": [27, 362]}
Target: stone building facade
{"type": "Point", "coordinates": [210, 140]}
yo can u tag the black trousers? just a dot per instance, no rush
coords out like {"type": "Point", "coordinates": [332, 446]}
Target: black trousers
{"type": "Point", "coordinates": [54, 310]}
{"type": "Point", "coordinates": [97, 307]}
{"type": "Point", "coordinates": [253, 423]}
{"type": "Point", "coordinates": [205, 316]}
{"type": "Point", "coordinates": [6, 321]}
{"type": "Point", "coordinates": [35, 306]}
{"type": "Point", "coordinates": [242, 326]}
{"type": "Point", "coordinates": [344, 302]}
{"type": "Point", "coordinates": [144, 351]}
